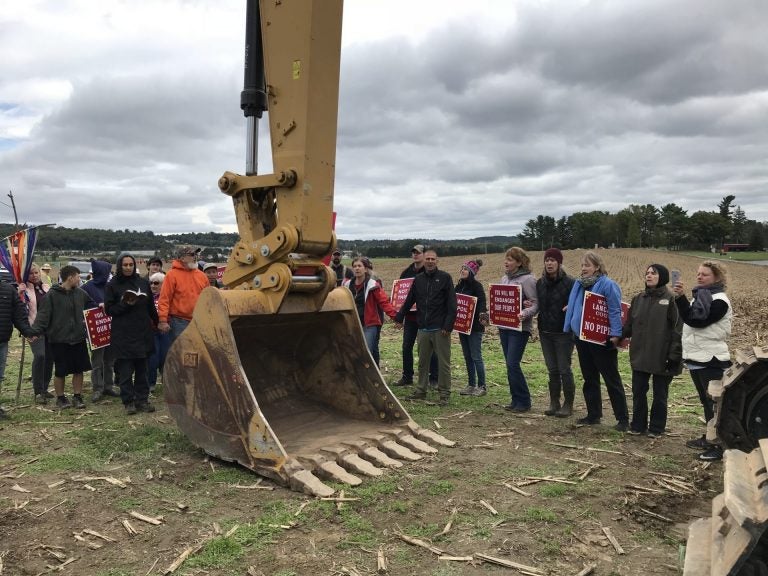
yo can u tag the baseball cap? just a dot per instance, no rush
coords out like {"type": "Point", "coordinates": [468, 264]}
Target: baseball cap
{"type": "Point", "coordinates": [45, 266]}
{"type": "Point", "coordinates": [209, 266]}
{"type": "Point", "coordinates": [182, 251]}
{"type": "Point", "coordinates": [418, 248]}
{"type": "Point", "coordinates": [336, 253]}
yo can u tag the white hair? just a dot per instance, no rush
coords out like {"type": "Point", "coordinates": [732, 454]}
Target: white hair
{"type": "Point", "coordinates": [157, 277]}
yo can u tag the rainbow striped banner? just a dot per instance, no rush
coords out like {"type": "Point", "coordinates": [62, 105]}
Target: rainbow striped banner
{"type": "Point", "coordinates": [17, 252]}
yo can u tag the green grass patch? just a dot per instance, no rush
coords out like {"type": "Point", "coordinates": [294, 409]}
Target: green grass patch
{"type": "Point", "coordinates": [219, 553]}
{"type": "Point", "coordinates": [553, 490]}
{"type": "Point", "coordinates": [536, 514]}
{"type": "Point", "coordinates": [360, 531]}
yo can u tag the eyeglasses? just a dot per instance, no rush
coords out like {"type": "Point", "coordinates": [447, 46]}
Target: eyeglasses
{"type": "Point", "coordinates": [155, 283]}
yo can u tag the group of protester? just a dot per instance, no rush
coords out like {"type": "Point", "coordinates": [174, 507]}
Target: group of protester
{"type": "Point", "coordinates": [667, 331]}
{"type": "Point", "coordinates": [147, 312]}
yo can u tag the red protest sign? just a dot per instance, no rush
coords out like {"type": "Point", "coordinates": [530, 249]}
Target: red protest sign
{"type": "Point", "coordinates": [595, 325]}
{"type": "Point", "coordinates": [505, 302]}
{"type": "Point", "coordinates": [99, 328]}
{"type": "Point", "coordinates": [465, 313]}
{"type": "Point", "coordinates": [400, 289]}
{"type": "Point", "coordinates": [220, 272]}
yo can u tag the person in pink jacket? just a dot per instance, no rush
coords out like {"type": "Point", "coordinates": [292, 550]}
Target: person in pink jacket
{"type": "Point", "coordinates": [32, 293]}
{"type": "Point", "coordinates": [371, 301]}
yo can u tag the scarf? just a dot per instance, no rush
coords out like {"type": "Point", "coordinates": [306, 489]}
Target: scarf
{"type": "Point", "coordinates": [520, 272]}
{"type": "Point", "coordinates": [702, 300]}
{"type": "Point", "coordinates": [588, 281]}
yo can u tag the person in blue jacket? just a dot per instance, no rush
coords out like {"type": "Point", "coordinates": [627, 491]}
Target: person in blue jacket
{"type": "Point", "coordinates": [598, 360]}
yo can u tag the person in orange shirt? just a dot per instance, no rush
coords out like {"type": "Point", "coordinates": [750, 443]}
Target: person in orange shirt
{"type": "Point", "coordinates": [181, 289]}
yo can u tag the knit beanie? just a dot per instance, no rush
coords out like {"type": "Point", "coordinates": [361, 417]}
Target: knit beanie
{"type": "Point", "coordinates": [555, 254]}
{"type": "Point", "coordinates": [663, 274]}
{"type": "Point", "coordinates": [472, 266]}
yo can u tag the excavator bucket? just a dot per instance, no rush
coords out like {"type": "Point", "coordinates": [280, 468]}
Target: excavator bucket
{"type": "Point", "coordinates": [294, 396]}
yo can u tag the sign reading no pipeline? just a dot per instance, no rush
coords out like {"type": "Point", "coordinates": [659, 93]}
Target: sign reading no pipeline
{"type": "Point", "coordinates": [595, 325]}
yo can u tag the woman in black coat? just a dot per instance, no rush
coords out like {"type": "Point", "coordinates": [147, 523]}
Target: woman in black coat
{"type": "Point", "coordinates": [471, 344]}
{"type": "Point", "coordinates": [127, 300]}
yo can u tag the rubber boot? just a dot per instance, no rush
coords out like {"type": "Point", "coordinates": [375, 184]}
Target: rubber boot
{"type": "Point", "coordinates": [554, 399]}
{"type": "Point", "coordinates": [569, 391]}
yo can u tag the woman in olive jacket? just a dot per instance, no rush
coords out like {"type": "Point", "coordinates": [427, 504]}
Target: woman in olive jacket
{"type": "Point", "coordinates": [655, 326]}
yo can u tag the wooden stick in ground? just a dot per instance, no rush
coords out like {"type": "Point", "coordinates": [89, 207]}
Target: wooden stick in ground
{"type": "Point", "coordinates": [381, 562]}
{"type": "Point", "coordinates": [448, 525]}
{"type": "Point", "coordinates": [148, 519]}
{"type": "Point", "coordinates": [181, 558]}
{"type": "Point", "coordinates": [509, 564]}
{"type": "Point", "coordinates": [421, 543]}
{"type": "Point", "coordinates": [21, 369]}
{"type": "Point", "coordinates": [490, 508]}
{"type": "Point", "coordinates": [612, 540]}
{"type": "Point", "coordinates": [516, 489]}
{"type": "Point", "coordinates": [587, 570]}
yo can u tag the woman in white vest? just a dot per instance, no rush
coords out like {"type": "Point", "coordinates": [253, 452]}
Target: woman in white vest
{"type": "Point", "coordinates": [707, 327]}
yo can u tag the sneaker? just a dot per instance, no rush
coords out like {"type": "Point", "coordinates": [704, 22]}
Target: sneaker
{"type": "Point", "coordinates": [41, 399]}
{"type": "Point", "coordinates": [510, 407]}
{"type": "Point", "coordinates": [468, 391]}
{"type": "Point", "coordinates": [442, 402]}
{"type": "Point", "coordinates": [699, 443]}
{"type": "Point", "coordinates": [587, 421]}
{"type": "Point", "coordinates": [416, 396]}
{"type": "Point", "coordinates": [433, 384]}
{"type": "Point", "coordinates": [49, 395]}
{"type": "Point", "coordinates": [130, 409]}
{"type": "Point", "coordinates": [712, 454]}
{"type": "Point", "coordinates": [633, 432]}
{"type": "Point", "coordinates": [652, 434]}
{"type": "Point", "coordinates": [403, 382]}
{"type": "Point", "coordinates": [3, 415]}
{"type": "Point", "coordinates": [77, 402]}
{"type": "Point", "coordinates": [621, 427]}
{"type": "Point", "coordinates": [111, 392]}
{"type": "Point", "coordinates": [63, 402]}
{"type": "Point", "coordinates": [520, 409]}
{"type": "Point", "coordinates": [97, 397]}
{"type": "Point", "coordinates": [479, 392]}
{"type": "Point", "coordinates": [145, 407]}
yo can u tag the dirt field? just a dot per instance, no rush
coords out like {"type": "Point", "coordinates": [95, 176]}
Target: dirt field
{"type": "Point", "coordinates": [533, 490]}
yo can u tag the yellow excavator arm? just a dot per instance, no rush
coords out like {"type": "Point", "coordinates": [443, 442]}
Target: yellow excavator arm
{"type": "Point", "coordinates": [274, 373]}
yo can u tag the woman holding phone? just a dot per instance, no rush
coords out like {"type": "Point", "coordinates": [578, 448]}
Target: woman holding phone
{"type": "Point", "coordinates": [708, 319]}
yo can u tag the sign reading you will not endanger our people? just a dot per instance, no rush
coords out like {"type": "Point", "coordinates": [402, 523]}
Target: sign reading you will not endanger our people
{"type": "Point", "coordinates": [400, 289]}
{"type": "Point", "coordinates": [465, 313]}
{"type": "Point", "coordinates": [595, 324]}
{"type": "Point", "coordinates": [98, 327]}
{"type": "Point", "coordinates": [505, 302]}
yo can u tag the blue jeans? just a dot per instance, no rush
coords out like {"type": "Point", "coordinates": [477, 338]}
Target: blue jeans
{"type": "Point", "coordinates": [372, 334]}
{"type": "Point", "coordinates": [178, 325]}
{"type": "Point", "coordinates": [513, 346]}
{"type": "Point", "coordinates": [3, 358]}
{"type": "Point", "coordinates": [157, 360]}
{"type": "Point", "coordinates": [471, 346]}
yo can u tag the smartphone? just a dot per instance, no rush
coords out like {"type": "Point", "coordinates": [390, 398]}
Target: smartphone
{"type": "Point", "coordinates": [674, 277]}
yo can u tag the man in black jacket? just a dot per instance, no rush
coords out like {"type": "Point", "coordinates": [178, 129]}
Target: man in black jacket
{"type": "Point", "coordinates": [435, 299]}
{"type": "Point", "coordinates": [12, 313]}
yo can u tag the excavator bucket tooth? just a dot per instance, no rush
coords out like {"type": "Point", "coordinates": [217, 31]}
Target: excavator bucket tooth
{"type": "Point", "coordinates": [429, 435]}
{"type": "Point", "coordinates": [373, 454]}
{"type": "Point", "coordinates": [272, 391]}
{"type": "Point", "coordinates": [410, 441]}
{"type": "Point", "coordinates": [348, 459]}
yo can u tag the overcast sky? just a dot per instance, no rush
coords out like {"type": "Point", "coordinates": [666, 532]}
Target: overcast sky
{"type": "Point", "coordinates": [456, 119]}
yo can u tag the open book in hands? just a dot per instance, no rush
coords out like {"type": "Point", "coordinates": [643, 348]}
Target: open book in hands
{"type": "Point", "coordinates": [133, 296]}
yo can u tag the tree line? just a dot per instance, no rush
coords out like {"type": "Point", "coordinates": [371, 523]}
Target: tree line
{"type": "Point", "coordinates": [647, 226]}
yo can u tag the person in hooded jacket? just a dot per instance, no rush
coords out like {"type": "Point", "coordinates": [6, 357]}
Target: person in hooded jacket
{"type": "Point", "coordinates": [128, 301]}
{"type": "Point", "coordinates": [655, 326]}
{"type": "Point", "coordinates": [371, 302]}
{"type": "Point", "coordinates": [471, 344]}
{"type": "Point", "coordinates": [102, 359]}
{"type": "Point", "coordinates": [181, 289]}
